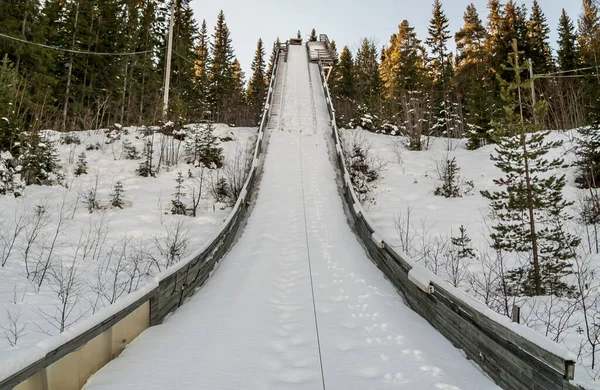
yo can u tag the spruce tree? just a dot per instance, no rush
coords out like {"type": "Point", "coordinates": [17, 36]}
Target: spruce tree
{"type": "Point", "coordinates": [184, 95]}
{"type": "Point", "coordinates": [450, 178]}
{"type": "Point", "coordinates": [81, 168]}
{"type": "Point", "coordinates": [257, 87]}
{"type": "Point", "coordinates": [345, 82]}
{"type": "Point", "coordinates": [146, 167]}
{"type": "Point", "coordinates": [462, 245]}
{"type": "Point", "coordinates": [368, 82]}
{"type": "Point", "coordinates": [538, 34]}
{"type": "Point", "coordinates": [472, 78]}
{"type": "Point", "coordinates": [588, 157]}
{"type": "Point", "coordinates": [568, 55]}
{"type": "Point", "coordinates": [202, 71]}
{"type": "Point", "coordinates": [177, 205]}
{"type": "Point", "coordinates": [529, 210]}
{"type": "Point", "coordinates": [589, 49]}
{"type": "Point", "coordinates": [116, 197]}
{"type": "Point", "coordinates": [439, 67]}
{"type": "Point", "coordinates": [221, 69]}
{"type": "Point", "coordinates": [39, 160]}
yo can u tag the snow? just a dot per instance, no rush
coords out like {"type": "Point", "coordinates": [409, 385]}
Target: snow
{"type": "Point", "coordinates": [145, 216]}
{"type": "Point", "coordinates": [253, 324]}
{"type": "Point", "coordinates": [408, 181]}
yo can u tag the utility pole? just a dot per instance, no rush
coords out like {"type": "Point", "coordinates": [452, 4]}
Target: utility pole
{"type": "Point", "coordinates": [168, 64]}
{"type": "Point", "coordinates": [533, 97]}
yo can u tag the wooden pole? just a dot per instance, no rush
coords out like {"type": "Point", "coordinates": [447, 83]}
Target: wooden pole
{"type": "Point", "coordinates": [533, 96]}
{"type": "Point", "coordinates": [168, 64]}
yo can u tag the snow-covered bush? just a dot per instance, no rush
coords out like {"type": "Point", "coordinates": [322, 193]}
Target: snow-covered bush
{"type": "Point", "coordinates": [114, 133]}
{"type": "Point", "coordinates": [202, 147]}
{"type": "Point", "coordinates": [39, 161]}
{"type": "Point", "coordinates": [10, 179]}
{"type": "Point", "coordinates": [364, 167]}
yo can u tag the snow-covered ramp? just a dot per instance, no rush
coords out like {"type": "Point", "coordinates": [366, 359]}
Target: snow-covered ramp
{"type": "Point", "coordinates": [296, 304]}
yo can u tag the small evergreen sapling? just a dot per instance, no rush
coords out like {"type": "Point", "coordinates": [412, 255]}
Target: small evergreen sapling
{"type": "Point", "coordinates": [450, 177]}
{"type": "Point", "coordinates": [177, 205]}
{"type": "Point", "coordinates": [146, 167]}
{"type": "Point", "coordinates": [81, 165]}
{"type": "Point", "coordinates": [116, 197]}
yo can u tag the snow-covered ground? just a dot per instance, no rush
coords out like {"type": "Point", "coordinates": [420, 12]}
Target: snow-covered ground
{"type": "Point", "coordinates": [296, 304]}
{"type": "Point", "coordinates": [110, 251]}
{"type": "Point", "coordinates": [404, 196]}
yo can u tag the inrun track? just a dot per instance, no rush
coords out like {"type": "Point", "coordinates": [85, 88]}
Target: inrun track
{"type": "Point", "coordinates": [296, 304]}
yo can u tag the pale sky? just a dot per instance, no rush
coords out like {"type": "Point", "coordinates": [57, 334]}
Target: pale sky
{"type": "Point", "coordinates": [345, 21]}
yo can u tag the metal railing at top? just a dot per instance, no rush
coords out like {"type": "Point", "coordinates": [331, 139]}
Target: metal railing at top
{"type": "Point", "coordinates": [514, 356]}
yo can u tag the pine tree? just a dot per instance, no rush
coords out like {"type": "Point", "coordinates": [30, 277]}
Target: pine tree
{"type": "Point", "coordinates": [9, 119]}
{"type": "Point", "coordinates": [589, 49]}
{"type": "Point", "coordinates": [116, 197]}
{"type": "Point", "coordinates": [368, 82]}
{"type": "Point", "coordinates": [345, 83]}
{"type": "Point", "coordinates": [538, 34]}
{"type": "Point", "coordinates": [221, 69]}
{"type": "Point", "coordinates": [257, 87]}
{"type": "Point", "coordinates": [472, 78]}
{"type": "Point", "coordinates": [529, 209]}
{"type": "Point", "coordinates": [568, 55]}
{"type": "Point", "coordinates": [202, 70]}
{"type": "Point", "coordinates": [184, 94]}
{"type": "Point", "coordinates": [81, 165]}
{"type": "Point", "coordinates": [177, 205]}
{"type": "Point", "coordinates": [588, 157]}
{"type": "Point", "coordinates": [439, 67]}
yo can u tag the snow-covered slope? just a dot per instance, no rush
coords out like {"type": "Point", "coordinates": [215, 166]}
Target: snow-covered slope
{"type": "Point", "coordinates": [109, 244]}
{"type": "Point", "coordinates": [296, 304]}
{"type": "Point", "coordinates": [404, 196]}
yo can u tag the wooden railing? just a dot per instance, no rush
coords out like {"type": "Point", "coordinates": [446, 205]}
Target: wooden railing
{"type": "Point", "coordinates": [66, 361]}
{"type": "Point", "coordinates": [514, 356]}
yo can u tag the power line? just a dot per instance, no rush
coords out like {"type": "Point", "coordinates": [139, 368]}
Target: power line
{"type": "Point", "coordinates": [566, 71]}
{"type": "Point", "coordinates": [76, 51]}
{"type": "Point", "coordinates": [572, 76]}
{"type": "Point", "coordinates": [184, 58]}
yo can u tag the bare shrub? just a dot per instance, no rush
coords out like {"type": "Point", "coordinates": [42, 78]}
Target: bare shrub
{"type": "Point", "coordinates": [172, 246]}
{"type": "Point", "coordinates": [9, 236]}
{"type": "Point", "coordinates": [15, 329]}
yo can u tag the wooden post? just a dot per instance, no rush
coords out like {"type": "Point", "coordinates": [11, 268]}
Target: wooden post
{"type": "Point", "coordinates": [168, 64]}
{"type": "Point", "coordinates": [516, 314]}
{"type": "Point", "coordinates": [533, 96]}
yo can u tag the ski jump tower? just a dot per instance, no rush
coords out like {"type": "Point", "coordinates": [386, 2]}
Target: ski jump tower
{"type": "Point", "coordinates": [321, 51]}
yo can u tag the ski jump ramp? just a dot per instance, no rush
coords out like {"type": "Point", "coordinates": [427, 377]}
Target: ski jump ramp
{"type": "Point", "coordinates": [296, 302]}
